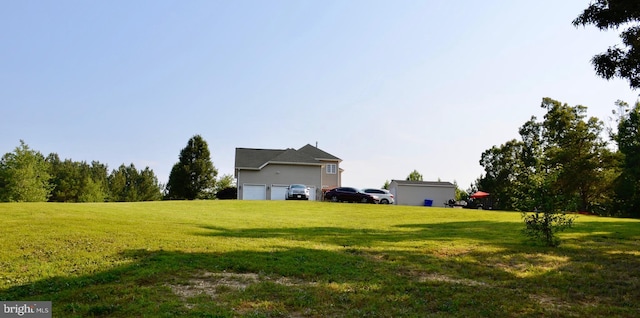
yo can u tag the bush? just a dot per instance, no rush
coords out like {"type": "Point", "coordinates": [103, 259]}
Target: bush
{"type": "Point", "coordinates": [543, 226]}
{"type": "Point", "coordinates": [230, 193]}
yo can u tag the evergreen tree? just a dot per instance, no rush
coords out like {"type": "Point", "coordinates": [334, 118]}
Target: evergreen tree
{"type": "Point", "coordinates": [121, 185]}
{"type": "Point", "coordinates": [127, 184]}
{"type": "Point", "coordinates": [99, 174]}
{"type": "Point", "coordinates": [91, 191]}
{"type": "Point", "coordinates": [193, 176]}
{"type": "Point", "coordinates": [24, 176]}
{"type": "Point", "coordinates": [147, 186]}
{"type": "Point", "coordinates": [74, 181]}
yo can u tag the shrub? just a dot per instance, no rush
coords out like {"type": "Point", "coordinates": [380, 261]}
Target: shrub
{"type": "Point", "coordinates": [543, 226]}
{"type": "Point", "coordinates": [230, 193]}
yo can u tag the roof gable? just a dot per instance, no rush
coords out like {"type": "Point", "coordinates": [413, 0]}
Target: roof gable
{"type": "Point", "coordinates": [317, 153]}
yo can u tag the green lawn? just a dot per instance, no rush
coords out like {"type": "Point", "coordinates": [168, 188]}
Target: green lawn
{"type": "Point", "coordinates": [310, 259]}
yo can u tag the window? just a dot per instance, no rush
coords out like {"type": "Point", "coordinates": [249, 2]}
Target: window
{"type": "Point", "coordinates": [331, 169]}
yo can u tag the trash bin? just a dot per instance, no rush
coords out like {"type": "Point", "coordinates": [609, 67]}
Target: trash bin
{"type": "Point", "coordinates": [428, 202]}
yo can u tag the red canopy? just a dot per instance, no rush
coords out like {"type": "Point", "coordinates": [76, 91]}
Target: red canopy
{"type": "Point", "coordinates": [479, 194]}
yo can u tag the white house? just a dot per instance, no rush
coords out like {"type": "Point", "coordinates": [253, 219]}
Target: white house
{"type": "Point", "coordinates": [264, 174]}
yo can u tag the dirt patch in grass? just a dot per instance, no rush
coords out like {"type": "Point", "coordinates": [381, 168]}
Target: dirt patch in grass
{"type": "Point", "coordinates": [209, 283]}
{"type": "Point", "coordinates": [447, 279]}
{"type": "Point", "coordinates": [213, 284]}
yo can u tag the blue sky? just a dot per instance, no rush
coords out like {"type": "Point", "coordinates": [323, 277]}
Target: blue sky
{"type": "Point", "coordinates": [387, 86]}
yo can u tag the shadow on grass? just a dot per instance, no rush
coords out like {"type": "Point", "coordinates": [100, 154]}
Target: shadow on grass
{"type": "Point", "coordinates": [497, 233]}
{"type": "Point", "coordinates": [295, 282]}
{"type": "Point", "coordinates": [355, 281]}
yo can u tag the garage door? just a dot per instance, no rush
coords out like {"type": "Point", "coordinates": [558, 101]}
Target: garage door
{"type": "Point", "coordinates": [254, 192]}
{"type": "Point", "coordinates": [278, 192]}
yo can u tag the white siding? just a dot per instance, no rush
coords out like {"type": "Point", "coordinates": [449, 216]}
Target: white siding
{"type": "Point", "coordinates": [416, 194]}
{"type": "Point", "coordinates": [281, 174]}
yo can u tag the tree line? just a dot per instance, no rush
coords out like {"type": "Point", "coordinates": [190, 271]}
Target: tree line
{"type": "Point", "coordinates": [28, 176]}
{"type": "Point", "coordinates": [564, 162]}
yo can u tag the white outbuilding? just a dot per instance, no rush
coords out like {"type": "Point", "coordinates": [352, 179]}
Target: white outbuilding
{"type": "Point", "coordinates": [421, 193]}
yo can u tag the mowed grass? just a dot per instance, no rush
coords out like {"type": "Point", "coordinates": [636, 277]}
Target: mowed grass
{"type": "Point", "coordinates": [310, 259]}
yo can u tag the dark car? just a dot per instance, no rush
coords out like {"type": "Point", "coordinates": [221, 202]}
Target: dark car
{"type": "Point", "coordinates": [348, 194]}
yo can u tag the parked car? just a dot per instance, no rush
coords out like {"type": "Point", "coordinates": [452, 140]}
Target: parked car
{"type": "Point", "coordinates": [348, 194]}
{"type": "Point", "coordinates": [297, 192]}
{"type": "Point", "coordinates": [384, 196]}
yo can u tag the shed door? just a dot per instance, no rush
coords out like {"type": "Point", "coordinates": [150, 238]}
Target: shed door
{"type": "Point", "coordinates": [278, 192]}
{"type": "Point", "coordinates": [254, 192]}
{"type": "Point", "coordinates": [312, 193]}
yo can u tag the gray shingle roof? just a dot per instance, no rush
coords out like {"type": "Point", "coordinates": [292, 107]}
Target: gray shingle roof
{"type": "Point", "coordinates": [249, 158]}
{"type": "Point", "coordinates": [294, 156]}
{"type": "Point", "coordinates": [254, 158]}
{"type": "Point", "coordinates": [317, 153]}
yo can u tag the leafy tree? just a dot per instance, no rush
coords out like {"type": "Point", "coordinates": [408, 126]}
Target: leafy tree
{"type": "Point", "coordinates": [386, 185]}
{"type": "Point", "coordinates": [529, 185]}
{"type": "Point", "coordinates": [627, 185]}
{"type": "Point", "coordinates": [560, 163]}
{"type": "Point", "coordinates": [502, 165]}
{"type": "Point", "coordinates": [225, 188]}
{"type": "Point", "coordinates": [24, 176]}
{"type": "Point", "coordinates": [414, 176]}
{"type": "Point", "coordinates": [576, 154]}
{"type": "Point", "coordinates": [193, 176]}
{"type": "Point", "coordinates": [616, 61]}
{"type": "Point", "coordinates": [224, 182]}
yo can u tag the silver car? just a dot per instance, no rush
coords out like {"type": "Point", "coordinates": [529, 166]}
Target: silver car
{"type": "Point", "coordinates": [297, 192]}
{"type": "Point", "coordinates": [384, 196]}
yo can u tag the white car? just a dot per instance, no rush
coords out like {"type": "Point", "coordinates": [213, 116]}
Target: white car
{"type": "Point", "coordinates": [384, 196]}
{"type": "Point", "coordinates": [297, 192]}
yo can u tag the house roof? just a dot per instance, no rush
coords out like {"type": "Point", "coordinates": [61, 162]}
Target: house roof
{"type": "Point", "coordinates": [249, 158]}
{"type": "Point", "coordinates": [254, 158]}
{"type": "Point", "coordinates": [294, 156]}
{"type": "Point", "coordinates": [317, 153]}
{"type": "Point", "coordinates": [424, 183]}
